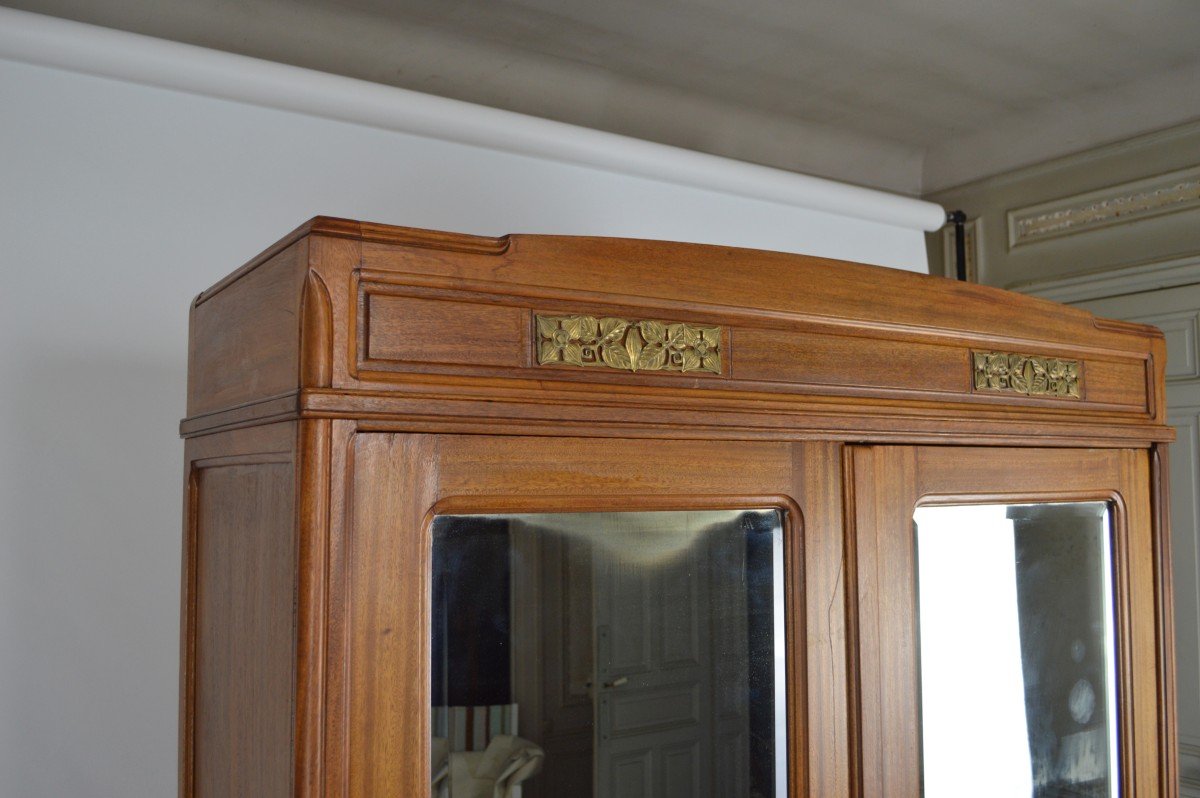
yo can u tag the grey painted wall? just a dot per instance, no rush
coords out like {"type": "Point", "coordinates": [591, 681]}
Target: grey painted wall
{"type": "Point", "coordinates": [1115, 246]}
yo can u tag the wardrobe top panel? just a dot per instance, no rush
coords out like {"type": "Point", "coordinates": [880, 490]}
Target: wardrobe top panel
{"type": "Point", "coordinates": [353, 319]}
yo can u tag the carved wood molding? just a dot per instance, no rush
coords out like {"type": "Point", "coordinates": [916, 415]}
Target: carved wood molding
{"type": "Point", "coordinates": [1028, 375]}
{"type": "Point", "coordinates": [1140, 199]}
{"type": "Point", "coordinates": [626, 345]}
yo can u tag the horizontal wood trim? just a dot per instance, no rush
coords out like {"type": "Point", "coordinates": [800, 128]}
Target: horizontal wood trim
{"type": "Point", "coordinates": [284, 407]}
{"type": "Point", "coordinates": [449, 404]}
{"type": "Point", "coordinates": [433, 239]}
{"type": "Point", "coordinates": [691, 419]}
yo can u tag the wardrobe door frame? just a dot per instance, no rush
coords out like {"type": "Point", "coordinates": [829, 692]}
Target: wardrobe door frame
{"type": "Point", "coordinates": [397, 482]}
{"type": "Point", "coordinates": [886, 485]}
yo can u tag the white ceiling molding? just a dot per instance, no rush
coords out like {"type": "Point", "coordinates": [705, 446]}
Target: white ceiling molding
{"type": "Point", "coordinates": [1163, 138]}
{"type": "Point", "coordinates": [1059, 127]}
{"type": "Point", "coordinates": [48, 41]}
{"type": "Point", "coordinates": [1148, 276]}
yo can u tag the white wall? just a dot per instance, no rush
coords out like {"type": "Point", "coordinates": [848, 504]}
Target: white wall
{"type": "Point", "coordinates": [118, 203]}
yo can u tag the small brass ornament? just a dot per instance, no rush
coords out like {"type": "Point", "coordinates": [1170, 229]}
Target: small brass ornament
{"type": "Point", "coordinates": [1028, 375]}
{"type": "Point", "coordinates": [627, 345]}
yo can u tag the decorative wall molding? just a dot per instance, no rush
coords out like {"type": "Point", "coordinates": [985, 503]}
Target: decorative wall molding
{"type": "Point", "coordinates": [1140, 199]}
{"type": "Point", "coordinates": [627, 345]}
{"type": "Point", "coordinates": [1146, 276]}
{"type": "Point", "coordinates": [1028, 375]}
{"type": "Point", "coordinates": [91, 49]}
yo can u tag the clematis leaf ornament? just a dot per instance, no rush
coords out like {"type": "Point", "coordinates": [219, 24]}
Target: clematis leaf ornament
{"type": "Point", "coordinates": [616, 343]}
{"type": "Point", "coordinates": [616, 356]}
{"type": "Point", "coordinates": [1028, 375]}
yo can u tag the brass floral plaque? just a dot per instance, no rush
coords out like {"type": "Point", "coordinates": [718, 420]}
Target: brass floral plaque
{"type": "Point", "coordinates": [627, 345]}
{"type": "Point", "coordinates": [1028, 375]}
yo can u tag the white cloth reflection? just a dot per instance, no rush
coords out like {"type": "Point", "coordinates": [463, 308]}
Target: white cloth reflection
{"type": "Point", "coordinates": [496, 772]}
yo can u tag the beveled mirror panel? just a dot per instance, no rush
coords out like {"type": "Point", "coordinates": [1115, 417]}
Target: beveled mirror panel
{"type": "Point", "coordinates": [615, 655]}
{"type": "Point", "coordinates": [1017, 650]}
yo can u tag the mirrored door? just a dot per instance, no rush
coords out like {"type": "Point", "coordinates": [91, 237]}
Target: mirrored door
{"type": "Point", "coordinates": [1017, 650]}
{"type": "Point", "coordinates": [610, 654]}
{"type": "Point", "coordinates": [594, 617]}
{"type": "Point", "coordinates": [996, 591]}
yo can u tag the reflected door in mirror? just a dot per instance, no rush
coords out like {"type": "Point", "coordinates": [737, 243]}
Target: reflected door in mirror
{"type": "Point", "coordinates": [609, 654]}
{"type": "Point", "coordinates": [1017, 650]}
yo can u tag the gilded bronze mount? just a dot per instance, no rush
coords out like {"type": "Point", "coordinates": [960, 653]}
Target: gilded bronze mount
{"type": "Point", "coordinates": [627, 345]}
{"type": "Point", "coordinates": [1028, 375]}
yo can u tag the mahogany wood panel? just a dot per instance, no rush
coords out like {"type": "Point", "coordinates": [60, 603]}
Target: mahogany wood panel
{"type": "Point", "coordinates": [774, 355]}
{"type": "Point", "coordinates": [888, 484]}
{"type": "Point", "coordinates": [245, 335]}
{"type": "Point", "coordinates": [387, 727]}
{"type": "Point", "coordinates": [400, 481]}
{"type": "Point", "coordinates": [465, 333]}
{"type": "Point", "coordinates": [1119, 383]}
{"type": "Point", "coordinates": [239, 650]}
{"type": "Point", "coordinates": [817, 468]}
{"type": "Point", "coordinates": [887, 760]}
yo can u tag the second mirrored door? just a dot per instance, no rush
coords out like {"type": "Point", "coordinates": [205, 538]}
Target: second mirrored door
{"type": "Point", "coordinates": [995, 589]}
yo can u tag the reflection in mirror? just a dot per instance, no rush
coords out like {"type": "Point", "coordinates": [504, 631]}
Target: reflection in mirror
{"type": "Point", "coordinates": [616, 655]}
{"type": "Point", "coordinates": [1017, 651]}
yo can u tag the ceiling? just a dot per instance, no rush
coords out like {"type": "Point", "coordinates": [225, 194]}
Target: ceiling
{"type": "Point", "coordinates": [909, 95]}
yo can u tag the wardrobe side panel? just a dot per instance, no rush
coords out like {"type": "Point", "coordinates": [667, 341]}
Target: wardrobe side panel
{"type": "Point", "coordinates": [244, 344]}
{"type": "Point", "coordinates": [239, 630]}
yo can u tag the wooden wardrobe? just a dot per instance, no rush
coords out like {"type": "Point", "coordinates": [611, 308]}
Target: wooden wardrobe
{"type": "Point", "coordinates": [637, 518]}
